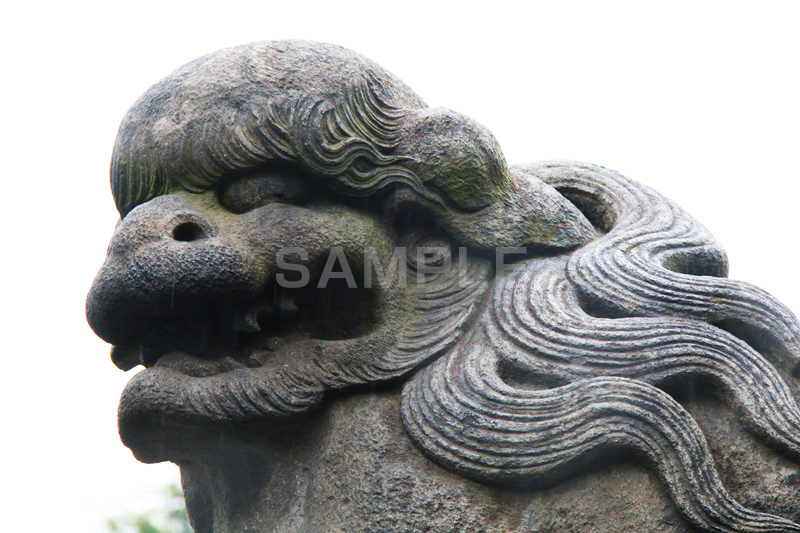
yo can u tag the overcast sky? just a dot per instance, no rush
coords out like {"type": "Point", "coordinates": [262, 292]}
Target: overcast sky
{"type": "Point", "coordinates": [696, 99]}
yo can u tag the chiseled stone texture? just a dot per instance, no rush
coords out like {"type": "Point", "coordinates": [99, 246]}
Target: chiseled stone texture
{"type": "Point", "coordinates": [352, 468]}
{"type": "Point", "coordinates": [611, 379]}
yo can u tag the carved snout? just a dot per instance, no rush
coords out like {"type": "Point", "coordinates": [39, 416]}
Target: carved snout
{"type": "Point", "coordinates": [166, 260]}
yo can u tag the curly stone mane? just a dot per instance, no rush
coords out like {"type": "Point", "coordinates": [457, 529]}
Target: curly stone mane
{"type": "Point", "coordinates": [568, 358]}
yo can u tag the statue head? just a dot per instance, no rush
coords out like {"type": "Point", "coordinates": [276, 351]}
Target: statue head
{"type": "Point", "coordinates": [239, 177]}
{"type": "Point", "coordinates": [297, 225]}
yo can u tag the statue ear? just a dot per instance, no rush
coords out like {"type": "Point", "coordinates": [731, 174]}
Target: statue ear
{"type": "Point", "coordinates": [530, 214]}
{"type": "Point", "coordinates": [475, 196]}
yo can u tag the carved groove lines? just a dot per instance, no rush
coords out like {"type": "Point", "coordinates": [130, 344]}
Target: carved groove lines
{"type": "Point", "coordinates": [444, 307]}
{"type": "Point", "coordinates": [542, 385]}
{"type": "Point", "coordinates": [463, 416]}
{"type": "Point", "coordinates": [627, 269]}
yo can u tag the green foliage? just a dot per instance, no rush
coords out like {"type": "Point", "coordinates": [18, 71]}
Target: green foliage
{"type": "Point", "coordinates": [172, 518]}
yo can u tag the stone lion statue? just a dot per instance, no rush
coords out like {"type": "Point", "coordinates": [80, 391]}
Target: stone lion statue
{"type": "Point", "coordinates": [354, 315]}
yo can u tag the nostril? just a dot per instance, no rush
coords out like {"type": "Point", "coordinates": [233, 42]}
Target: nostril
{"type": "Point", "coordinates": [187, 232]}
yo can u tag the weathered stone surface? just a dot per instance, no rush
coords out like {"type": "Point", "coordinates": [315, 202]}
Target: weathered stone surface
{"type": "Point", "coordinates": [352, 468]}
{"type": "Point", "coordinates": [310, 265]}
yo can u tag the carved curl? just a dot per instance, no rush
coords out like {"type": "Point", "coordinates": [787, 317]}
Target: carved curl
{"type": "Point", "coordinates": [566, 361]}
{"type": "Point", "coordinates": [351, 125]}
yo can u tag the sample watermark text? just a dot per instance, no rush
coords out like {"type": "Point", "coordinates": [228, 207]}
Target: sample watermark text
{"type": "Point", "coordinates": [424, 261]}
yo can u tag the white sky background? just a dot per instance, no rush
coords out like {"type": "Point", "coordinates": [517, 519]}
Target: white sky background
{"type": "Point", "coordinates": [697, 99]}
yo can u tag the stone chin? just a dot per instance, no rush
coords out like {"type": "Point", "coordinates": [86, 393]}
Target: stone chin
{"type": "Point", "coordinates": [292, 153]}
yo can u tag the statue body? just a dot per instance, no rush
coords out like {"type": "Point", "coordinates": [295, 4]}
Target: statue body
{"type": "Point", "coordinates": [355, 316]}
{"type": "Point", "coordinates": [353, 468]}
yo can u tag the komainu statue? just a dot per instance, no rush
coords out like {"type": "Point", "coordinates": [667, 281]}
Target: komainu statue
{"type": "Point", "coordinates": [354, 315]}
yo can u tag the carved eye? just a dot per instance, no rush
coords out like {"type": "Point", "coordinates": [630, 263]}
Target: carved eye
{"type": "Point", "coordinates": [262, 187]}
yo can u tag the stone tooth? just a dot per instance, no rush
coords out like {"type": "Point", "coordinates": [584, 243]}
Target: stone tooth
{"type": "Point", "coordinates": [248, 322]}
{"type": "Point", "coordinates": [287, 306]}
{"type": "Point", "coordinates": [126, 357]}
{"type": "Point", "coordinates": [248, 319]}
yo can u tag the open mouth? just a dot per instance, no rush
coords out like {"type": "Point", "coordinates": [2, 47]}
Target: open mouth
{"type": "Point", "coordinates": [228, 338]}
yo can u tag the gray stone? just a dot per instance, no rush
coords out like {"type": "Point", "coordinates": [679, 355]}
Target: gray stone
{"type": "Point", "coordinates": [355, 316]}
